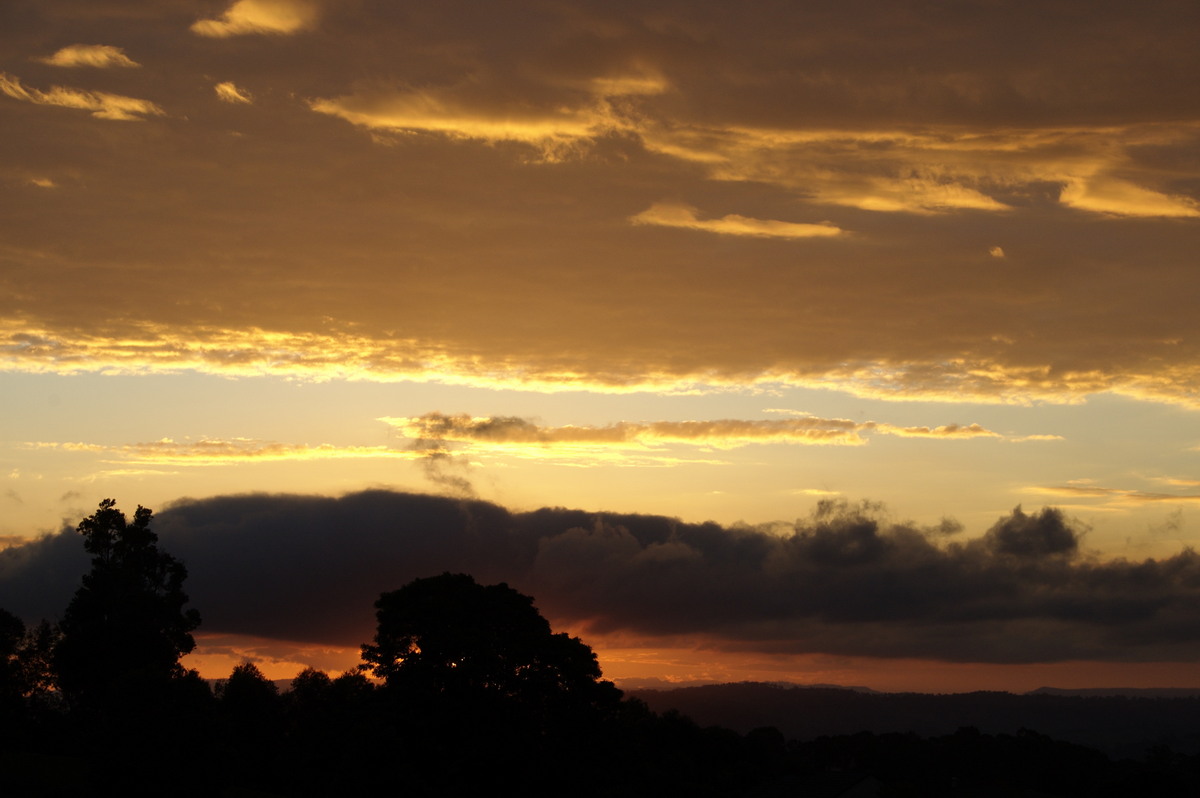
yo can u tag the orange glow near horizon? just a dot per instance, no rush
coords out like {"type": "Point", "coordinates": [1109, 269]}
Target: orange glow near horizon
{"type": "Point", "coordinates": [657, 667]}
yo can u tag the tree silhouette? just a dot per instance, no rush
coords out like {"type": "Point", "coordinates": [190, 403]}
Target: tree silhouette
{"type": "Point", "coordinates": [450, 635]}
{"type": "Point", "coordinates": [12, 680]}
{"type": "Point", "coordinates": [26, 672]}
{"type": "Point", "coordinates": [126, 627]}
{"type": "Point", "coordinates": [489, 697]}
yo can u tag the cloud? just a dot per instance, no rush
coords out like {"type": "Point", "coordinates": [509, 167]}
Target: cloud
{"type": "Point", "coordinates": [279, 17]}
{"type": "Point", "coordinates": [1187, 483]}
{"type": "Point", "coordinates": [1120, 496]}
{"type": "Point", "coordinates": [1078, 183]}
{"type": "Point", "coordinates": [845, 580]}
{"type": "Point", "coordinates": [459, 113]}
{"type": "Point", "coordinates": [222, 452]}
{"type": "Point", "coordinates": [1044, 534]}
{"type": "Point", "coordinates": [157, 347]}
{"type": "Point", "coordinates": [228, 92]}
{"type": "Point", "coordinates": [1123, 198]}
{"type": "Point", "coordinates": [946, 431]}
{"type": "Point", "coordinates": [101, 56]}
{"type": "Point", "coordinates": [437, 431]}
{"type": "Point", "coordinates": [8, 541]}
{"type": "Point", "coordinates": [102, 104]}
{"type": "Point", "coordinates": [940, 169]}
{"type": "Point", "coordinates": [672, 215]}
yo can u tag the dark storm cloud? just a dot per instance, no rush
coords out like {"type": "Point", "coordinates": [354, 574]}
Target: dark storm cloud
{"type": "Point", "coordinates": [843, 581]}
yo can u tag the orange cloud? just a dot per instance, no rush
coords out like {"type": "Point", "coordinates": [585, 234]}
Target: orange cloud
{"type": "Point", "coordinates": [937, 169]}
{"type": "Point", "coordinates": [100, 56]}
{"type": "Point", "coordinates": [102, 104]}
{"type": "Point", "coordinates": [665, 214]}
{"type": "Point", "coordinates": [279, 17]}
{"type": "Point", "coordinates": [229, 92]}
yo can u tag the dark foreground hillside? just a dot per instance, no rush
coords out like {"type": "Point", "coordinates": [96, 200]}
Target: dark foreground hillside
{"type": "Point", "coordinates": [348, 737]}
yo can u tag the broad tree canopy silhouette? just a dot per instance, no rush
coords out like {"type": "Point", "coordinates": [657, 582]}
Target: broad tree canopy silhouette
{"type": "Point", "coordinates": [126, 627]}
{"type": "Point", "coordinates": [450, 635]}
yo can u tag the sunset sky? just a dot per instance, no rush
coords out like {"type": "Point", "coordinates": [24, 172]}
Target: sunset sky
{"type": "Point", "coordinates": [851, 280]}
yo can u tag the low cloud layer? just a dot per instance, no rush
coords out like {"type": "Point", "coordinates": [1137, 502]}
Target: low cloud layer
{"type": "Point", "coordinates": [845, 580]}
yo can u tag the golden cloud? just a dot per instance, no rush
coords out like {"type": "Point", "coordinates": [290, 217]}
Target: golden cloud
{"type": "Point", "coordinates": [1119, 496]}
{"type": "Point", "coordinates": [440, 112]}
{"type": "Point", "coordinates": [100, 56]}
{"type": "Point", "coordinates": [280, 17]}
{"type": "Point", "coordinates": [937, 169]}
{"type": "Point", "coordinates": [511, 432]}
{"type": "Point", "coordinates": [665, 214]}
{"type": "Point", "coordinates": [1109, 195]}
{"type": "Point", "coordinates": [228, 92]}
{"type": "Point", "coordinates": [152, 348]}
{"type": "Point", "coordinates": [946, 431]}
{"type": "Point", "coordinates": [102, 104]}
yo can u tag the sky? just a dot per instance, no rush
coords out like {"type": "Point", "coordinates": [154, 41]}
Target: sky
{"type": "Point", "coordinates": [822, 342]}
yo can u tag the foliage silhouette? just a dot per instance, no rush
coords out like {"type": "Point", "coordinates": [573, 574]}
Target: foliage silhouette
{"type": "Point", "coordinates": [126, 628]}
{"type": "Point", "coordinates": [450, 635]}
{"type": "Point", "coordinates": [27, 680]}
{"type": "Point", "coordinates": [12, 633]}
{"type": "Point", "coordinates": [490, 696]}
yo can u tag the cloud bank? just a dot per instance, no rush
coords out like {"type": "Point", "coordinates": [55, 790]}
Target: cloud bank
{"type": "Point", "coordinates": [845, 580]}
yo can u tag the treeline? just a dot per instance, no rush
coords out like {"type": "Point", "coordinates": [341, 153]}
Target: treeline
{"type": "Point", "coordinates": [464, 690]}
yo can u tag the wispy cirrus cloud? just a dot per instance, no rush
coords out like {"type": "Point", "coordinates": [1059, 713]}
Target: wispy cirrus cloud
{"type": "Point", "coordinates": [278, 17]}
{"type": "Point", "coordinates": [665, 214]}
{"type": "Point", "coordinates": [100, 56]}
{"type": "Point", "coordinates": [510, 433]}
{"type": "Point", "coordinates": [102, 104]}
{"type": "Point", "coordinates": [211, 452]}
{"type": "Point", "coordinates": [1116, 496]}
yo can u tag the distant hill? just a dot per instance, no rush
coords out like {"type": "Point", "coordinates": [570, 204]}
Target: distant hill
{"type": "Point", "coordinates": [1119, 725]}
{"type": "Point", "coordinates": [1128, 692]}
